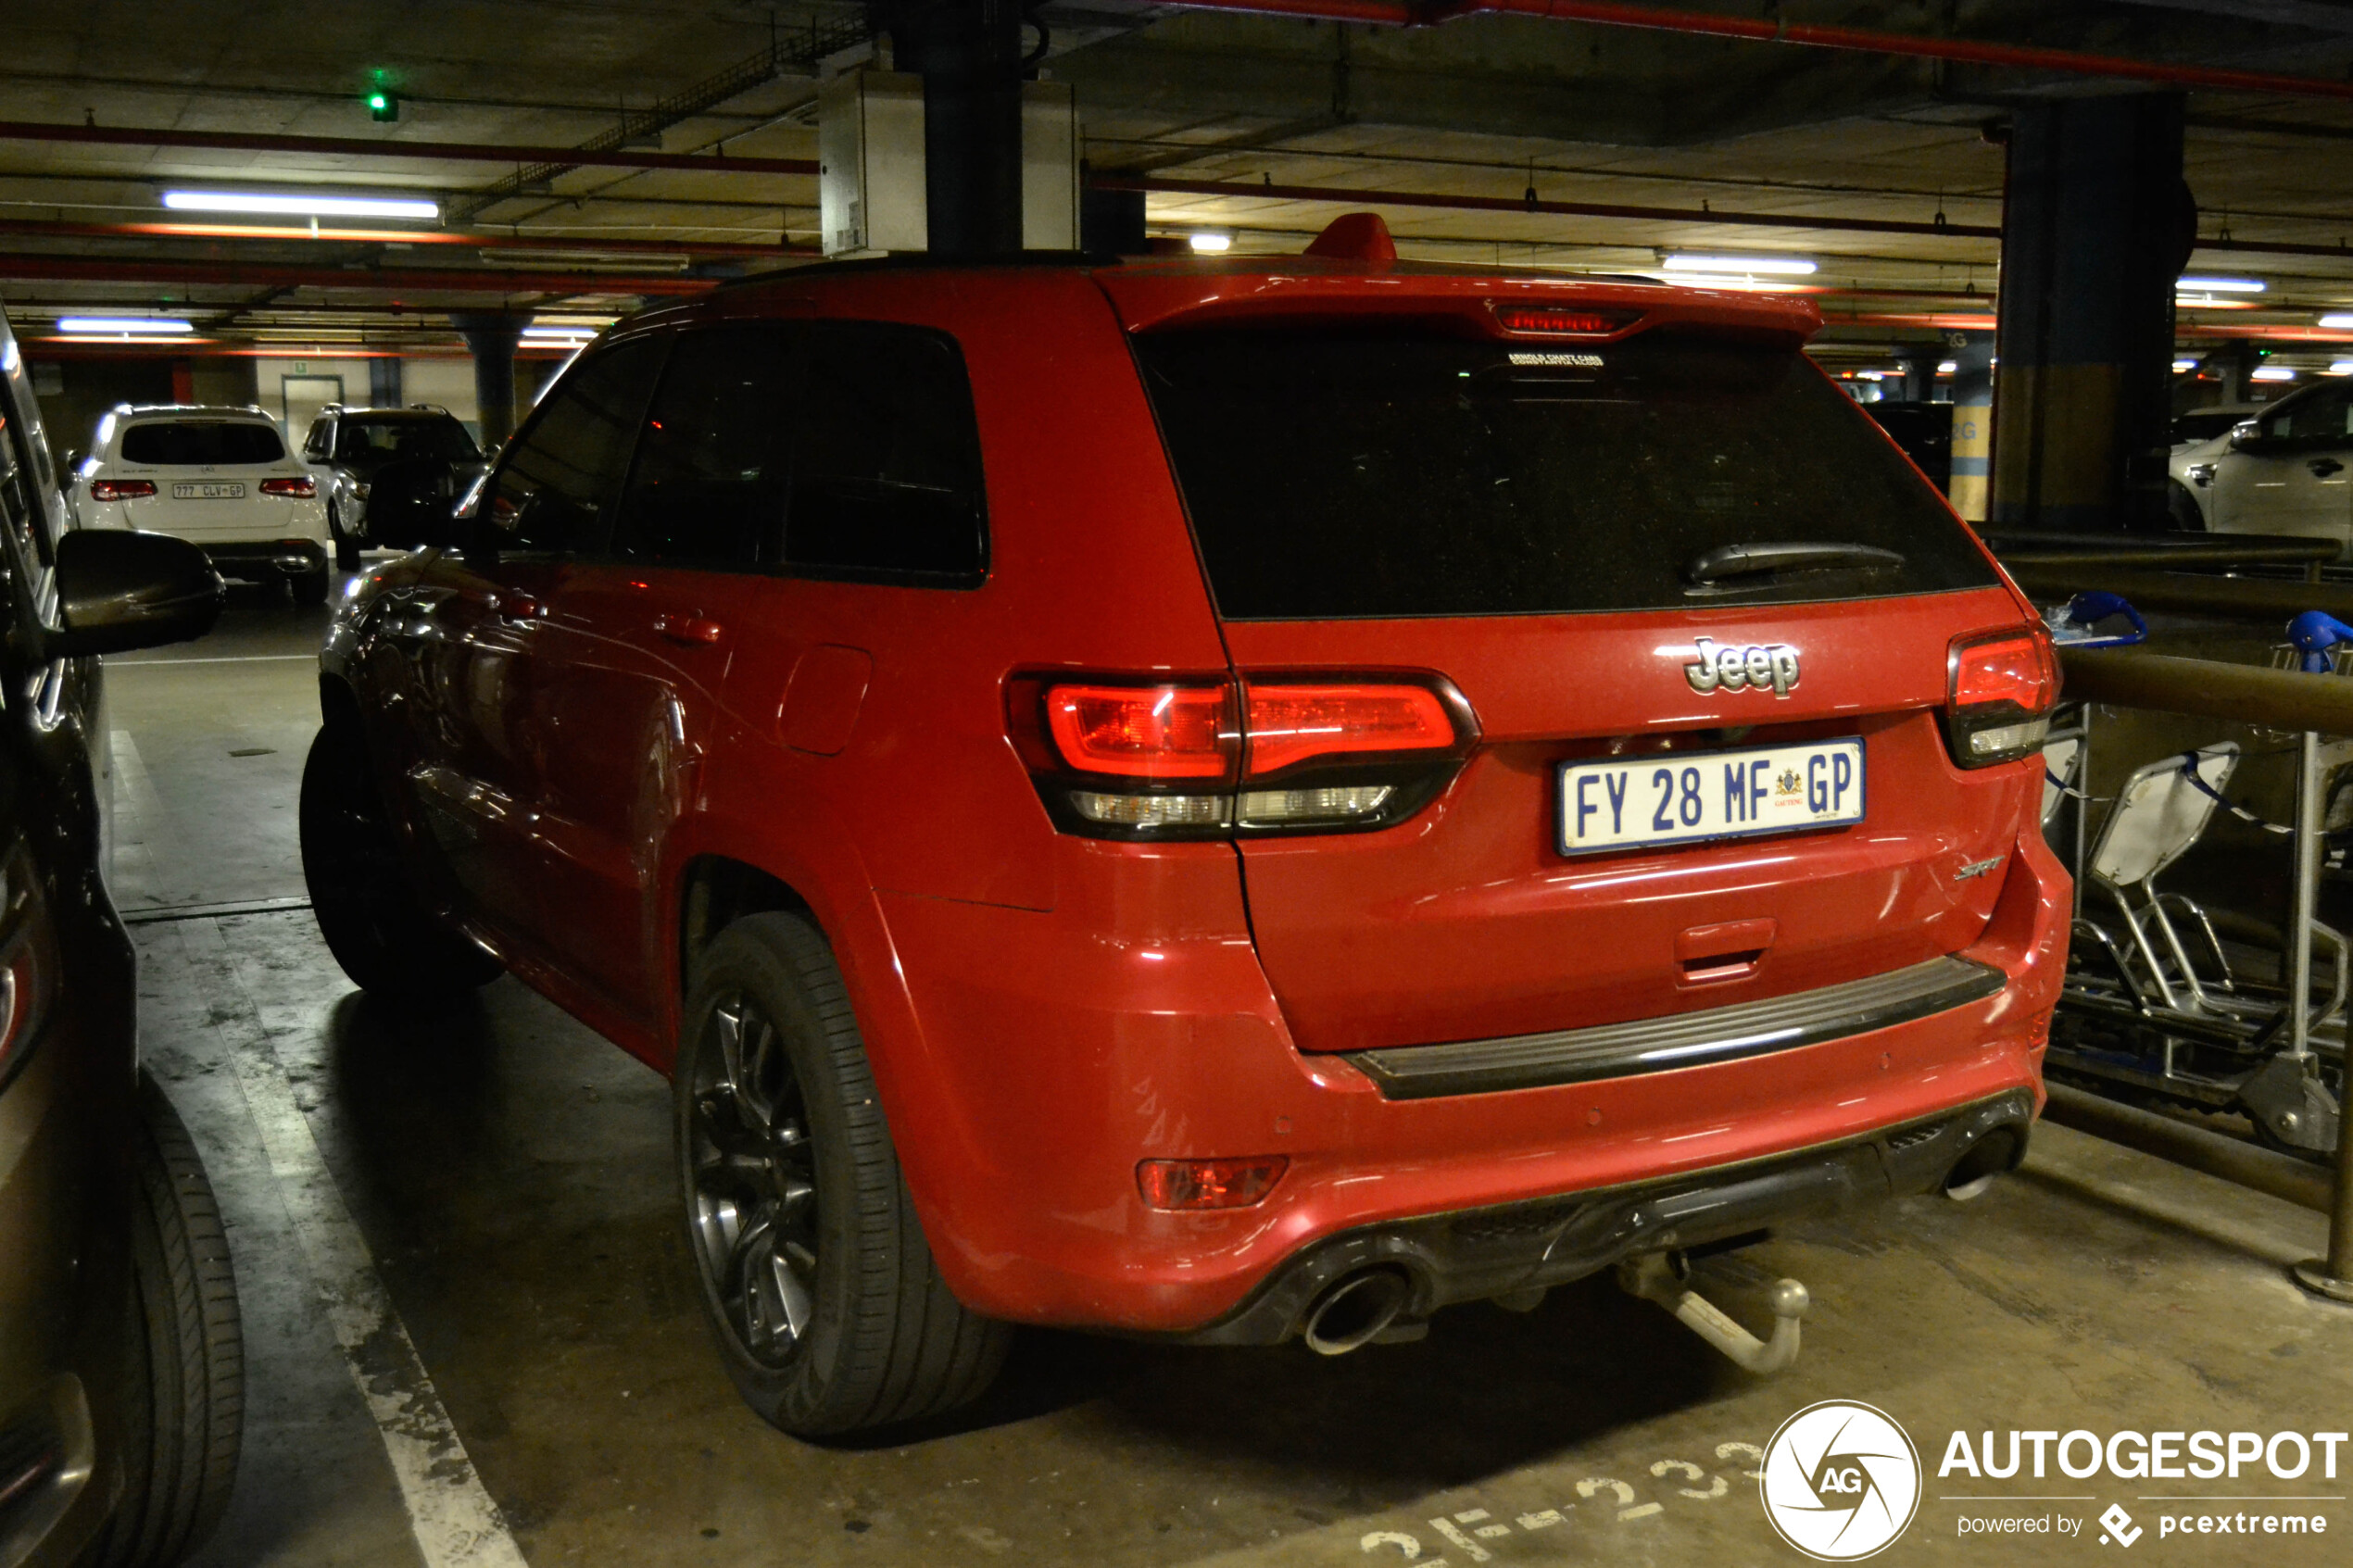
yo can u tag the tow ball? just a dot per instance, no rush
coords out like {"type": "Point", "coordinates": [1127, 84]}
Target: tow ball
{"type": "Point", "coordinates": [1664, 1278]}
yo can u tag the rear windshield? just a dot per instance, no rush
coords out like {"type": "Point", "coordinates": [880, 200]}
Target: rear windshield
{"type": "Point", "coordinates": [365, 443]}
{"type": "Point", "coordinates": [200, 442]}
{"type": "Point", "coordinates": [1336, 473]}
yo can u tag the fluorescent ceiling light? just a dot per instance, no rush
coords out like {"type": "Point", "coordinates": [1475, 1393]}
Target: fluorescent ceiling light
{"type": "Point", "coordinates": [1210, 242]}
{"type": "Point", "coordinates": [1786, 266]}
{"type": "Point", "coordinates": [302, 206]}
{"type": "Point", "coordinates": [2218, 285]}
{"type": "Point", "coordinates": [2338, 321]}
{"type": "Point", "coordinates": [1948, 367]}
{"type": "Point", "coordinates": [2181, 365]}
{"type": "Point", "coordinates": [123, 326]}
{"type": "Point", "coordinates": [562, 329]}
{"type": "Point", "coordinates": [2272, 373]}
{"type": "Point", "coordinates": [2341, 366]}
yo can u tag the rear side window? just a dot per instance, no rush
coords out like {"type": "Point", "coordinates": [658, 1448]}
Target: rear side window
{"type": "Point", "coordinates": [886, 477]}
{"type": "Point", "coordinates": [1358, 474]}
{"type": "Point", "coordinates": [200, 442]}
{"type": "Point", "coordinates": [565, 468]}
{"type": "Point", "coordinates": [709, 485]}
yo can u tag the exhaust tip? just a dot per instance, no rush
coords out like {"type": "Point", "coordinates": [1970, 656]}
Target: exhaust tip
{"type": "Point", "coordinates": [1995, 1154]}
{"type": "Point", "coordinates": [1353, 1313]}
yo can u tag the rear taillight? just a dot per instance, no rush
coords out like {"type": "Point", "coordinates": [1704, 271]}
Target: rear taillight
{"type": "Point", "coordinates": [301, 489]}
{"type": "Point", "coordinates": [1204, 758]}
{"type": "Point", "coordinates": [1999, 690]}
{"type": "Point", "coordinates": [120, 489]}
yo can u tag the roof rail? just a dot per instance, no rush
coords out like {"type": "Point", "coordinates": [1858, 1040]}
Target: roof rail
{"type": "Point", "coordinates": [430, 407]}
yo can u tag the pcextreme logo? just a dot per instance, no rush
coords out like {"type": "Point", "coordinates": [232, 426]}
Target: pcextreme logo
{"type": "Point", "coordinates": [1840, 1481]}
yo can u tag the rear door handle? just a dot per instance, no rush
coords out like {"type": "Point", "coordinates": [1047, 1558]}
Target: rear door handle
{"type": "Point", "coordinates": [2325, 466]}
{"type": "Point", "coordinates": [692, 630]}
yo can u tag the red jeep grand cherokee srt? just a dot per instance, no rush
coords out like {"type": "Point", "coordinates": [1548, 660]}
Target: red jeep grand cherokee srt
{"type": "Point", "coordinates": [1145, 796]}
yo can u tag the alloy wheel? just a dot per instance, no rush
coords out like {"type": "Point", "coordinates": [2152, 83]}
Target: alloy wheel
{"type": "Point", "coordinates": [751, 1179]}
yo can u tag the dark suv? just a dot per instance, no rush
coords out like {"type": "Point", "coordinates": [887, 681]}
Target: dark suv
{"type": "Point", "coordinates": [1225, 801]}
{"type": "Point", "coordinates": [351, 448]}
{"type": "Point", "coordinates": [120, 1363]}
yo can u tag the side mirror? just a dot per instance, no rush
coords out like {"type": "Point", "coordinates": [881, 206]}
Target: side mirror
{"type": "Point", "coordinates": [2247, 436]}
{"type": "Point", "coordinates": [408, 505]}
{"type": "Point", "coordinates": [120, 589]}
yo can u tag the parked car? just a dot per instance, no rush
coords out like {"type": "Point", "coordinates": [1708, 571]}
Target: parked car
{"type": "Point", "coordinates": [121, 1360]}
{"type": "Point", "coordinates": [221, 478]}
{"type": "Point", "coordinates": [1231, 801]}
{"type": "Point", "coordinates": [2288, 470]}
{"type": "Point", "coordinates": [347, 447]}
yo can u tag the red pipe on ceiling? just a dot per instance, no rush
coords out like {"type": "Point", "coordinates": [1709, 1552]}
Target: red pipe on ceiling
{"type": "Point", "coordinates": [1651, 214]}
{"type": "Point", "coordinates": [362, 147]}
{"type": "Point", "coordinates": [427, 280]}
{"type": "Point", "coordinates": [1574, 209]}
{"type": "Point", "coordinates": [1872, 41]}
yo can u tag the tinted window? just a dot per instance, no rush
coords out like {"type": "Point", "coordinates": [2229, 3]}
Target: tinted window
{"type": "Point", "coordinates": [887, 474]}
{"type": "Point", "coordinates": [707, 487]}
{"type": "Point", "coordinates": [1363, 475]}
{"type": "Point", "coordinates": [2325, 414]}
{"type": "Point", "coordinates": [315, 444]}
{"type": "Point", "coordinates": [365, 443]}
{"type": "Point", "coordinates": [199, 443]}
{"type": "Point", "coordinates": [565, 468]}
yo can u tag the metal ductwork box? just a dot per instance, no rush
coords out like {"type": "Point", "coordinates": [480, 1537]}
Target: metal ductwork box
{"type": "Point", "coordinates": [870, 162]}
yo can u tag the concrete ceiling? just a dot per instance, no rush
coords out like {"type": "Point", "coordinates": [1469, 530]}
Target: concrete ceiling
{"type": "Point", "coordinates": [1695, 131]}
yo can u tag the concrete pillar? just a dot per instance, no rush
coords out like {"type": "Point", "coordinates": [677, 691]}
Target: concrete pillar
{"type": "Point", "coordinates": [383, 381]}
{"type": "Point", "coordinates": [1972, 357]}
{"type": "Point", "coordinates": [492, 336]}
{"type": "Point", "coordinates": [968, 52]}
{"type": "Point", "coordinates": [2098, 226]}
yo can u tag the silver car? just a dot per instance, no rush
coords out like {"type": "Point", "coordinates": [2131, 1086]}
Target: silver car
{"type": "Point", "coordinates": [347, 447]}
{"type": "Point", "coordinates": [2289, 470]}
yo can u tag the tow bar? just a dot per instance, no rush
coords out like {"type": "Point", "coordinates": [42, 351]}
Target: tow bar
{"type": "Point", "coordinates": [1662, 1277]}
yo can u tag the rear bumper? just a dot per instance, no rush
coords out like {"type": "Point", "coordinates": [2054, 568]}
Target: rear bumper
{"type": "Point", "coordinates": [262, 560]}
{"type": "Point", "coordinates": [1040, 1060]}
{"type": "Point", "coordinates": [1477, 1253]}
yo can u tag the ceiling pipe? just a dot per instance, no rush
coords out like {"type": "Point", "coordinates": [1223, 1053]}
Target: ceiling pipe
{"type": "Point", "coordinates": [424, 279]}
{"type": "Point", "coordinates": [366, 147]}
{"type": "Point", "coordinates": [1354, 197]}
{"type": "Point", "coordinates": [1863, 40]}
{"type": "Point", "coordinates": [1509, 204]}
{"type": "Point", "coordinates": [552, 243]}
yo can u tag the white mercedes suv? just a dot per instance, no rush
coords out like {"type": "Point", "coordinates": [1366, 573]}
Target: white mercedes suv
{"type": "Point", "coordinates": [219, 478]}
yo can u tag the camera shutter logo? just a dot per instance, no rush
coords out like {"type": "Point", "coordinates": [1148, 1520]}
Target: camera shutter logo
{"type": "Point", "coordinates": [1841, 1481]}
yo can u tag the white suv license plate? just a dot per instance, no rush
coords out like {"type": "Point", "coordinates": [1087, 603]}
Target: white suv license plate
{"type": "Point", "coordinates": [208, 492]}
{"type": "Point", "coordinates": [1688, 798]}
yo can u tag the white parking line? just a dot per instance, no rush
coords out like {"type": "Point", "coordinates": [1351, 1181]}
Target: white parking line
{"type": "Point", "coordinates": [455, 1522]}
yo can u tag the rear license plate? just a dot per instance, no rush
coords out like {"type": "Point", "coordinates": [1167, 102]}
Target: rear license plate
{"type": "Point", "coordinates": [1693, 797]}
{"type": "Point", "coordinates": [208, 492]}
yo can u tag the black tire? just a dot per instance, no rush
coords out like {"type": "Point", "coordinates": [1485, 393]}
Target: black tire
{"type": "Point", "coordinates": [360, 895]}
{"type": "Point", "coordinates": [790, 1188]}
{"type": "Point", "coordinates": [185, 1413]}
{"type": "Point", "coordinates": [346, 547]}
{"type": "Point", "coordinates": [2182, 509]}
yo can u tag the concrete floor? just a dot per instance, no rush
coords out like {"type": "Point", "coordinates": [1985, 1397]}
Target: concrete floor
{"type": "Point", "coordinates": [470, 1218]}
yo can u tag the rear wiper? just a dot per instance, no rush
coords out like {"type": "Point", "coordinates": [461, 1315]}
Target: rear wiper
{"type": "Point", "coordinates": [1753, 561]}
